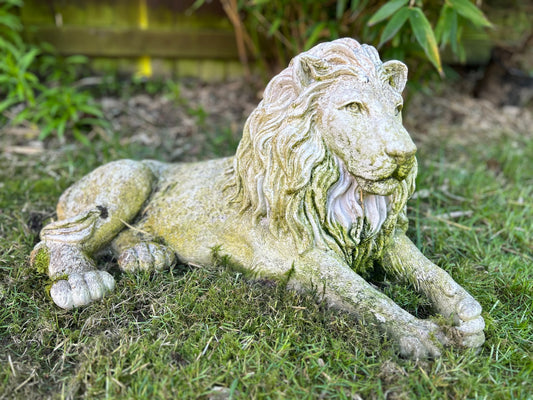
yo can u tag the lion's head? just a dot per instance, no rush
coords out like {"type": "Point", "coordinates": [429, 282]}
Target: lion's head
{"type": "Point", "coordinates": [325, 155]}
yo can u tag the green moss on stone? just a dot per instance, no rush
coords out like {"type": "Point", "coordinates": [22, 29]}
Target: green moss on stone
{"type": "Point", "coordinates": [41, 261]}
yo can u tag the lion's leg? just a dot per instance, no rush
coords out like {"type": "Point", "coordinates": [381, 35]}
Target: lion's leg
{"type": "Point", "coordinates": [91, 213]}
{"type": "Point", "coordinates": [405, 261]}
{"type": "Point", "coordinates": [138, 250]}
{"type": "Point", "coordinates": [343, 288]}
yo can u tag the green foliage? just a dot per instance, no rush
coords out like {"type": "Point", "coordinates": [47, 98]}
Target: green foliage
{"type": "Point", "coordinates": [446, 30]}
{"type": "Point", "coordinates": [15, 58]}
{"type": "Point", "coordinates": [53, 102]}
{"type": "Point", "coordinates": [60, 108]}
{"type": "Point", "coordinates": [295, 26]}
{"type": "Point", "coordinates": [424, 36]}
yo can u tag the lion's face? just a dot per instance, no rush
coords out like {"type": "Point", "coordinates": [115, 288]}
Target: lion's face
{"type": "Point", "coordinates": [360, 121]}
{"type": "Point", "coordinates": [325, 154]}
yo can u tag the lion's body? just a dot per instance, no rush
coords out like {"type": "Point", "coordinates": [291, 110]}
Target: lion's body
{"type": "Point", "coordinates": [191, 197]}
{"type": "Point", "coordinates": [318, 188]}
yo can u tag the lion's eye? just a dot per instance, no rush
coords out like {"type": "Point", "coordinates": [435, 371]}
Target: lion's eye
{"type": "Point", "coordinates": [356, 107]}
{"type": "Point", "coordinates": [398, 109]}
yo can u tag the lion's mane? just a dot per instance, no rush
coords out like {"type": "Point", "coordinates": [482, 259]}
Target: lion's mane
{"type": "Point", "coordinates": [284, 172]}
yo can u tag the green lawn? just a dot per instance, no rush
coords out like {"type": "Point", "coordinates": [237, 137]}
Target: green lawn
{"type": "Point", "coordinates": [210, 333]}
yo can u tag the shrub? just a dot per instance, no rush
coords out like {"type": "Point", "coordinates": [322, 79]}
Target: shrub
{"type": "Point", "coordinates": [404, 29]}
{"type": "Point", "coordinates": [53, 103]}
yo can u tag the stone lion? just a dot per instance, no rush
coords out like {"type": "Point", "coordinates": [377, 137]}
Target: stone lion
{"type": "Point", "coordinates": [316, 195]}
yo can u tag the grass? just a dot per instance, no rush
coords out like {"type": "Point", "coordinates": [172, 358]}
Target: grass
{"type": "Point", "coordinates": [211, 333]}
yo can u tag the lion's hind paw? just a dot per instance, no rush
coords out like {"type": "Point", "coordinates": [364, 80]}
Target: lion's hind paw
{"type": "Point", "coordinates": [146, 256]}
{"type": "Point", "coordinates": [80, 289]}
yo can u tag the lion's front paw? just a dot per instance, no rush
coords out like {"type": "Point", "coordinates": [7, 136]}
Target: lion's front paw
{"type": "Point", "coordinates": [468, 333]}
{"type": "Point", "coordinates": [465, 312]}
{"type": "Point", "coordinates": [80, 289]}
{"type": "Point", "coordinates": [419, 340]}
{"type": "Point", "coordinates": [146, 256]}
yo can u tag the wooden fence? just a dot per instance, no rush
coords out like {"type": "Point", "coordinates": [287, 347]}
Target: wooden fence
{"type": "Point", "coordinates": [147, 37]}
{"type": "Point", "coordinates": [171, 38]}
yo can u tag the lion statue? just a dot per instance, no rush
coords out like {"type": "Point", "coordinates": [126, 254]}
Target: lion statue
{"type": "Point", "coordinates": [316, 194]}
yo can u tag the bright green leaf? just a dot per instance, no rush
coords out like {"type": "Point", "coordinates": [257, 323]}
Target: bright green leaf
{"type": "Point", "coordinates": [353, 5]}
{"type": "Point", "coordinates": [386, 11]}
{"type": "Point", "coordinates": [80, 137]}
{"type": "Point", "coordinates": [61, 127]}
{"type": "Point", "coordinates": [425, 37]}
{"type": "Point", "coordinates": [11, 21]}
{"type": "Point", "coordinates": [30, 77]}
{"type": "Point", "coordinates": [446, 29]}
{"type": "Point", "coordinates": [21, 116]}
{"type": "Point", "coordinates": [442, 29]}
{"type": "Point", "coordinates": [315, 34]}
{"type": "Point", "coordinates": [454, 39]}
{"type": "Point", "coordinates": [274, 27]}
{"type": "Point", "coordinates": [92, 110]}
{"type": "Point", "coordinates": [28, 58]}
{"type": "Point", "coordinates": [470, 12]}
{"type": "Point", "coordinates": [45, 132]}
{"type": "Point", "coordinates": [461, 52]}
{"type": "Point", "coordinates": [394, 25]}
{"type": "Point", "coordinates": [77, 59]}
{"type": "Point", "coordinates": [14, 3]}
{"type": "Point", "coordinates": [94, 121]}
{"type": "Point", "coordinates": [5, 45]}
{"type": "Point", "coordinates": [4, 105]}
{"type": "Point", "coordinates": [341, 6]}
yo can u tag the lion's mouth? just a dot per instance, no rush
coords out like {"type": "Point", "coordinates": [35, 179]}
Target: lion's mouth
{"type": "Point", "coordinates": [388, 184]}
{"type": "Point", "coordinates": [402, 171]}
{"type": "Point", "coordinates": [381, 187]}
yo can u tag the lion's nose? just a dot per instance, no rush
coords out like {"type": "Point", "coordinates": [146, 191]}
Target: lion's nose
{"type": "Point", "coordinates": [402, 151]}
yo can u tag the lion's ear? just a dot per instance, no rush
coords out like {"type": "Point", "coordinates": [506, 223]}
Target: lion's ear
{"type": "Point", "coordinates": [306, 69]}
{"type": "Point", "coordinates": [395, 74]}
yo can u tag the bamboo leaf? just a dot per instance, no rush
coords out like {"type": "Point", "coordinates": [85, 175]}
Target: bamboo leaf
{"type": "Point", "coordinates": [274, 27]}
{"type": "Point", "coordinates": [341, 6]}
{"type": "Point", "coordinates": [313, 37]}
{"type": "Point", "coordinates": [386, 11]}
{"type": "Point", "coordinates": [454, 41]}
{"type": "Point", "coordinates": [470, 12]}
{"type": "Point", "coordinates": [394, 25]}
{"type": "Point", "coordinates": [425, 37]}
{"type": "Point", "coordinates": [353, 5]}
{"type": "Point", "coordinates": [442, 30]}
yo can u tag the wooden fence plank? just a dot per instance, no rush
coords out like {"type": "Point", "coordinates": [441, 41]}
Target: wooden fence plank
{"type": "Point", "coordinates": [101, 42]}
